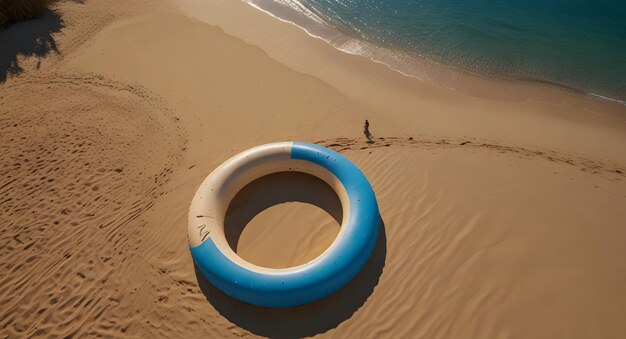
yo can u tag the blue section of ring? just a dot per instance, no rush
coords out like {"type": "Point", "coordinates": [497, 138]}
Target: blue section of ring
{"type": "Point", "coordinates": [324, 275]}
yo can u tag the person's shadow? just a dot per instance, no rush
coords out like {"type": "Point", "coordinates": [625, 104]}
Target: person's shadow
{"type": "Point", "coordinates": [27, 38]}
{"type": "Point", "coordinates": [306, 320]}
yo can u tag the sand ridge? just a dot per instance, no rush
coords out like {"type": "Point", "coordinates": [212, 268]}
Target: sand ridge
{"type": "Point", "coordinates": [610, 170]}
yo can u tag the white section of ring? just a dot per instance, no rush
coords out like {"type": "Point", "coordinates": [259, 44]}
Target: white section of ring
{"type": "Point", "coordinates": [209, 205]}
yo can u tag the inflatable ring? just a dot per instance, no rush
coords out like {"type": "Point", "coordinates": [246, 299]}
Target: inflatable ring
{"type": "Point", "coordinates": [292, 286]}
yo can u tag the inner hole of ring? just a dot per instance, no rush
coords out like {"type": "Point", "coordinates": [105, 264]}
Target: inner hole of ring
{"type": "Point", "coordinates": [283, 220]}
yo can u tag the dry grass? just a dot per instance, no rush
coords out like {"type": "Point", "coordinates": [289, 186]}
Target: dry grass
{"type": "Point", "coordinates": [12, 11]}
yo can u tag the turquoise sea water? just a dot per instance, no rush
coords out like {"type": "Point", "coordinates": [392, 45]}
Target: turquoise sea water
{"type": "Point", "coordinates": [577, 44]}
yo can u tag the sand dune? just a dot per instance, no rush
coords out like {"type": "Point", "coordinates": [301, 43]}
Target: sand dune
{"type": "Point", "coordinates": [501, 217]}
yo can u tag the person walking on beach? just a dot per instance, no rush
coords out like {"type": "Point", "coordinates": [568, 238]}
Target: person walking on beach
{"type": "Point", "coordinates": [366, 131]}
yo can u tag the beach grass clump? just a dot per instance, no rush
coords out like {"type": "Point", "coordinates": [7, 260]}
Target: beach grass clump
{"type": "Point", "coordinates": [13, 11]}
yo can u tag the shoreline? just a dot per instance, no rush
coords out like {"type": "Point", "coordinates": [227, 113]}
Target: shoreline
{"type": "Point", "coordinates": [437, 73]}
{"type": "Point", "coordinates": [484, 109]}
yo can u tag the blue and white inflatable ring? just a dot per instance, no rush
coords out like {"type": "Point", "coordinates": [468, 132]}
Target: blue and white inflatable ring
{"type": "Point", "coordinates": [292, 286]}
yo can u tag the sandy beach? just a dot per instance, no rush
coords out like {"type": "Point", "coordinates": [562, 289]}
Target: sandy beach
{"type": "Point", "coordinates": [503, 203]}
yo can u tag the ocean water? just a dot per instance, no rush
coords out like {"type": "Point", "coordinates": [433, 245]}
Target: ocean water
{"type": "Point", "coordinates": [577, 44]}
